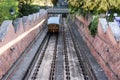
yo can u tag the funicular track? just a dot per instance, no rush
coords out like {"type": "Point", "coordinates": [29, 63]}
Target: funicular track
{"type": "Point", "coordinates": [59, 58]}
{"type": "Point", "coordinates": [53, 65]}
{"type": "Point", "coordinates": [73, 69]}
{"type": "Point", "coordinates": [36, 59]}
{"type": "Point", "coordinates": [66, 62]}
{"type": "Point", "coordinates": [79, 56]}
{"type": "Point", "coordinates": [45, 51]}
{"type": "Point", "coordinates": [83, 61]}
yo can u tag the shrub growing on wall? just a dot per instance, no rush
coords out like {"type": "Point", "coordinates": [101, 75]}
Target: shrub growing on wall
{"type": "Point", "coordinates": [93, 26]}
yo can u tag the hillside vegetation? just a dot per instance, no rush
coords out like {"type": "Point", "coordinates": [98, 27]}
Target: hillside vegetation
{"type": "Point", "coordinates": [95, 8]}
{"type": "Point", "coordinates": [5, 7]}
{"type": "Point", "coordinates": [20, 8]}
{"type": "Point", "coordinates": [42, 2]}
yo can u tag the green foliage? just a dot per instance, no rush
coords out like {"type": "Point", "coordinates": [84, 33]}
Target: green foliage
{"type": "Point", "coordinates": [75, 5]}
{"type": "Point", "coordinates": [25, 1]}
{"type": "Point", "coordinates": [93, 26]}
{"type": "Point", "coordinates": [42, 2]}
{"type": "Point", "coordinates": [72, 9]}
{"type": "Point", "coordinates": [28, 9]}
{"type": "Point", "coordinates": [25, 7]}
{"type": "Point", "coordinates": [93, 6]}
{"type": "Point", "coordinates": [5, 7]}
{"type": "Point", "coordinates": [54, 2]}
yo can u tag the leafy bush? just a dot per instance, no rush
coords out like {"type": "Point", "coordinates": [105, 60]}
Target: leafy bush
{"type": "Point", "coordinates": [28, 9]}
{"type": "Point", "coordinates": [93, 26]}
{"type": "Point", "coordinates": [54, 2]}
{"type": "Point", "coordinates": [111, 12]}
{"type": "Point", "coordinates": [94, 6]}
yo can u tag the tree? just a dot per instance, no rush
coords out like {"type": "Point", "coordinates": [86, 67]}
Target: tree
{"type": "Point", "coordinates": [94, 6]}
{"type": "Point", "coordinates": [26, 1]}
{"type": "Point", "coordinates": [6, 7]}
{"type": "Point", "coordinates": [54, 2]}
{"type": "Point", "coordinates": [25, 7]}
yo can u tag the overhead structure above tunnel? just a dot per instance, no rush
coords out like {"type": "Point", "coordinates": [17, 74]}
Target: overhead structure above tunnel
{"type": "Point", "coordinates": [57, 10]}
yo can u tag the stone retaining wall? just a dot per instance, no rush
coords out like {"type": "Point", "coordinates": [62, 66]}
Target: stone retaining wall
{"type": "Point", "coordinates": [105, 46]}
{"type": "Point", "coordinates": [15, 36]}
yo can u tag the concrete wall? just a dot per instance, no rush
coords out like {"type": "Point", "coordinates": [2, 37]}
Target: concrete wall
{"type": "Point", "coordinates": [15, 36]}
{"type": "Point", "coordinates": [105, 47]}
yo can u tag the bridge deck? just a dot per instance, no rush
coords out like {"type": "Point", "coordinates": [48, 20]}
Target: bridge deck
{"type": "Point", "coordinates": [57, 10]}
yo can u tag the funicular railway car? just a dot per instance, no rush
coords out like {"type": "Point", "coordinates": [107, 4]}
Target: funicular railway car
{"type": "Point", "coordinates": [53, 24]}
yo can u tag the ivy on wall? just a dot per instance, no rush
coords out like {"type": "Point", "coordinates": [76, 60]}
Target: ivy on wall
{"type": "Point", "coordinates": [93, 26]}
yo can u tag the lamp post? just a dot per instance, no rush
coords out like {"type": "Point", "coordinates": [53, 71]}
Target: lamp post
{"type": "Point", "coordinates": [45, 4]}
{"type": "Point", "coordinates": [115, 14]}
{"type": "Point", "coordinates": [12, 11]}
{"type": "Point", "coordinates": [107, 17]}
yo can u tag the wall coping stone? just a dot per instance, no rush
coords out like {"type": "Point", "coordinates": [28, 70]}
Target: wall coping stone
{"type": "Point", "coordinates": [115, 30]}
{"type": "Point", "coordinates": [4, 28]}
{"type": "Point", "coordinates": [103, 23]}
{"type": "Point", "coordinates": [16, 24]}
{"type": "Point", "coordinates": [34, 17]}
{"type": "Point", "coordinates": [37, 15]}
{"type": "Point", "coordinates": [24, 20]}
{"type": "Point", "coordinates": [30, 18]}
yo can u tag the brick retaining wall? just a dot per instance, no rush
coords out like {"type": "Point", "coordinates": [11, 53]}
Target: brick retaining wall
{"type": "Point", "coordinates": [16, 36]}
{"type": "Point", "coordinates": [104, 48]}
